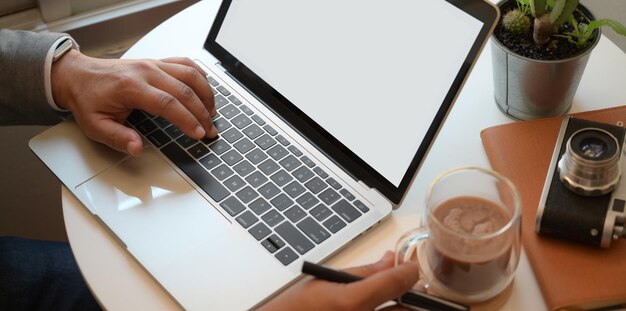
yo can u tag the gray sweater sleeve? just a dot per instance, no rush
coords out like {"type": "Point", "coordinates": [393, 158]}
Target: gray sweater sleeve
{"type": "Point", "coordinates": [22, 85]}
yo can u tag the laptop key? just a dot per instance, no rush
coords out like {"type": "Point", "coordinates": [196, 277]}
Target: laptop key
{"type": "Point", "coordinates": [348, 212]}
{"type": "Point", "coordinates": [231, 135]}
{"type": "Point", "coordinates": [320, 212]}
{"type": "Point", "coordinates": [273, 243]}
{"type": "Point", "coordinates": [220, 101]}
{"type": "Point", "coordinates": [222, 172]}
{"type": "Point", "coordinates": [361, 206]}
{"type": "Point", "coordinates": [241, 121]}
{"type": "Point", "coordinates": [221, 124]}
{"type": "Point", "coordinates": [265, 141]}
{"type": "Point", "coordinates": [303, 174]}
{"type": "Point", "coordinates": [234, 100]}
{"type": "Point", "coordinates": [334, 224]}
{"type": "Point", "coordinates": [281, 202]}
{"type": "Point", "coordinates": [146, 127]}
{"type": "Point", "coordinates": [232, 206]}
{"type": "Point", "coordinates": [295, 214]}
{"type": "Point", "coordinates": [258, 120]}
{"type": "Point", "coordinates": [316, 185]}
{"type": "Point", "coordinates": [253, 131]}
{"type": "Point", "coordinates": [212, 81]}
{"type": "Point", "coordinates": [281, 178]}
{"type": "Point", "coordinates": [247, 219]}
{"type": "Point", "coordinates": [329, 196]}
{"type": "Point", "coordinates": [294, 238]}
{"type": "Point", "coordinates": [259, 231]}
{"type": "Point", "coordinates": [295, 150]}
{"type": "Point", "coordinates": [313, 230]}
{"type": "Point", "coordinates": [173, 131]}
{"type": "Point", "coordinates": [231, 157]}
{"type": "Point", "coordinates": [158, 138]}
{"type": "Point", "coordinates": [319, 171]}
{"type": "Point", "coordinates": [277, 152]}
{"type": "Point", "coordinates": [282, 140]}
{"type": "Point", "coordinates": [307, 161]}
{"type": "Point", "coordinates": [269, 129]}
{"type": "Point", "coordinates": [135, 117]}
{"type": "Point", "coordinates": [333, 183]}
{"type": "Point", "coordinates": [234, 183]}
{"type": "Point", "coordinates": [346, 194]}
{"type": "Point", "coordinates": [210, 161]}
{"type": "Point", "coordinates": [246, 110]}
{"type": "Point", "coordinates": [307, 200]}
{"type": "Point", "coordinates": [162, 122]}
{"type": "Point", "coordinates": [268, 167]}
{"type": "Point", "coordinates": [255, 156]}
{"type": "Point", "coordinates": [229, 111]}
{"type": "Point", "coordinates": [244, 145]}
{"type": "Point", "coordinates": [286, 256]}
{"type": "Point", "coordinates": [195, 172]}
{"type": "Point", "coordinates": [220, 147]}
{"type": "Point", "coordinates": [256, 179]}
{"type": "Point", "coordinates": [198, 150]}
{"type": "Point", "coordinates": [290, 163]}
{"type": "Point", "coordinates": [269, 190]}
{"type": "Point", "coordinates": [294, 189]}
{"type": "Point", "coordinates": [259, 206]}
{"type": "Point", "coordinates": [223, 90]}
{"type": "Point", "coordinates": [272, 218]}
{"type": "Point", "coordinates": [246, 194]}
{"type": "Point", "coordinates": [243, 168]}
{"type": "Point", "coordinates": [186, 141]}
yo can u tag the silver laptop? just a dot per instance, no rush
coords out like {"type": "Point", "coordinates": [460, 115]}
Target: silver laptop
{"type": "Point", "coordinates": [325, 111]}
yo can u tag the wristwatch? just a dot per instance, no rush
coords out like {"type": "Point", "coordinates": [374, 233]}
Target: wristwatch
{"type": "Point", "coordinates": [61, 49]}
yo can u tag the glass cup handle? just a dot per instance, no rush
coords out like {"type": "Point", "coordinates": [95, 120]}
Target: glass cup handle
{"type": "Point", "coordinates": [407, 250]}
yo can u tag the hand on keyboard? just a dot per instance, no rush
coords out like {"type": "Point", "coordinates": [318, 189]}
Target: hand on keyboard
{"type": "Point", "coordinates": [382, 283]}
{"type": "Point", "coordinates": [101, 93]}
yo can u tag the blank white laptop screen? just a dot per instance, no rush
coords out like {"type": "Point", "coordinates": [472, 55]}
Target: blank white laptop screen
{"type": "Point", "coordinates": [389, 108]}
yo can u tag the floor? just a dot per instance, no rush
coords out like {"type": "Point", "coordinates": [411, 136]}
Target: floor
{"type": "Point", "coordinates": [31, 194]}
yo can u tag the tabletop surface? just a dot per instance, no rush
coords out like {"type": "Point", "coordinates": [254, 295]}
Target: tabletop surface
{"type": "Point", "coordinates": [120, 283]}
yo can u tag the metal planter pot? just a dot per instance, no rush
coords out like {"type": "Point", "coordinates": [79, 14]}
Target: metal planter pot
{"type": "Point", "coordinates": [527, 88]}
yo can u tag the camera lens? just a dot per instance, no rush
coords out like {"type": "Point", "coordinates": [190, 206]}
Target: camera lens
{"type": "Point", "coordinates": [593, 148]}
{"type": "Point", "coordinates": [590, 164]}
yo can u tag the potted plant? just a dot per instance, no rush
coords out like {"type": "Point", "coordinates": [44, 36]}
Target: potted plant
{"type": "Point", "coordinates": [540, 49]}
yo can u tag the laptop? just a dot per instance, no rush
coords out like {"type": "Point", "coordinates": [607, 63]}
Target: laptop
{"type": "Point", "coordinates": [326, 110]}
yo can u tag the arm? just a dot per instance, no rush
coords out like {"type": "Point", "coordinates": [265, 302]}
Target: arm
{"type": "Point", "coordinates": [22, 78]}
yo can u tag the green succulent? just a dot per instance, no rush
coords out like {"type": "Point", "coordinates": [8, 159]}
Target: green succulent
{"type": "Point", "coordinates": [516, 22]}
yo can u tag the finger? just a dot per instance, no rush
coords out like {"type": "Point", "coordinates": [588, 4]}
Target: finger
{"type": "Point", "coordinates": [384, 263]}
{"type": "Point", "coordinates": [161, 102]}
{"type": "Point", "coordinates": [186, 96]}
{"type": "Point", "coordinates": [184, 61]}
{"type": "Point", "coordinates": [116, 135]}
{"type": "Point", "coordinates": [384, 285]}
{"type": "Point", "coordinates": [195, 78]}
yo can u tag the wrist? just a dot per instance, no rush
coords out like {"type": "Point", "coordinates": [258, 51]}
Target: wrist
{"type": "Point", "coordinates": [61, 77]}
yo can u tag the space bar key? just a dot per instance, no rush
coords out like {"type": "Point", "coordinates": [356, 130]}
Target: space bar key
{"type": "Point", "coordinates": [195, 171]}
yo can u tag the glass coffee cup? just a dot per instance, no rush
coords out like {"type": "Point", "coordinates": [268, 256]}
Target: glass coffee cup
{"type": "Point", "coordinates": [469, 242]}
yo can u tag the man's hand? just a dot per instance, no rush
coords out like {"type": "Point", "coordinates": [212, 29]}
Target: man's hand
{"type": "Point", "coordinates": [382, 283]}
{"type": "Point", "coordinates": [101, 93]}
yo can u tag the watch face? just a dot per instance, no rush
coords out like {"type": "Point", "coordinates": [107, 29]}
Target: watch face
{"type": "Point", "coordinates": [62, 48]}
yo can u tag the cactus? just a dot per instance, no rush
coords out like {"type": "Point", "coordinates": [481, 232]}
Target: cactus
{"type": "Point", "coordinates": [516, 22]}
{"type": "Point", "coordinates": [546, 23]}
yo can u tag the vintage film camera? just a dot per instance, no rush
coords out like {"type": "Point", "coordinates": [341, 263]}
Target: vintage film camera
{"type": "Point", "coordinates": [583, 198]}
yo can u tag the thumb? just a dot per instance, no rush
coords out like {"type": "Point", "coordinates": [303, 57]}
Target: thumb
{"type": "Point", "coordinates": [116, 136]}
{"type": "Point", "coordinates": [383, 286]}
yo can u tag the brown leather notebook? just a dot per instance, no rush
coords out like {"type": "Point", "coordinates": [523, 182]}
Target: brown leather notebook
{"type": "Point", "coordinates": [570, 275]}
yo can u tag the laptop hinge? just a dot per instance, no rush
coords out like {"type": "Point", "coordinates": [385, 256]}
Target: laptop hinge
{"type": "Point", "coordinates": [219, 65]}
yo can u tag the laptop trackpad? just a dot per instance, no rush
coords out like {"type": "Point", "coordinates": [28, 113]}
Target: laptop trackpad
{"type": "Point", "coordinates": [171, 229]}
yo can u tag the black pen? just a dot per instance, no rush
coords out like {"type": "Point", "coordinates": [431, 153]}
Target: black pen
{"type": "Point", "coordinates": [412, 299]}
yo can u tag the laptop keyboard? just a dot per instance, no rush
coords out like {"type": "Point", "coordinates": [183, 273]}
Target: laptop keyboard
{"type": "Point", "coordinates": [260, 178]}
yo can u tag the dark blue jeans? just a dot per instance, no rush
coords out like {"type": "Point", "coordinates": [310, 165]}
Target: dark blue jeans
{"type": "Point", "coordinates": [41, 275]}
